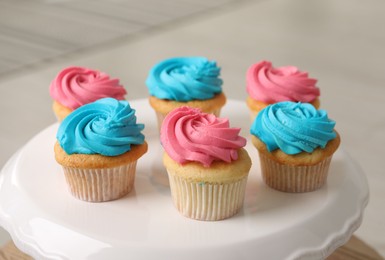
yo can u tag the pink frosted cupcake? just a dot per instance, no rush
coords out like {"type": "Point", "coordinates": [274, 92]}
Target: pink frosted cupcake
{"type": "Point", "coordinates": [268, 85]}
{"type": "Point", "coordinates": [206, 164]}
{"type": "Point", "coordinates": [77, 86]}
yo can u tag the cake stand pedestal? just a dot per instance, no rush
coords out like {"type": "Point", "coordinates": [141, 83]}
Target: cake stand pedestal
{"type": "Point", "coordinates": [46, 222]}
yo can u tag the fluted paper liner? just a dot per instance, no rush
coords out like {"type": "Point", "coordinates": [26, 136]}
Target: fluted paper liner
{"type": "Point", "coordinates": [97, 185]}
{"type": "Point", "coordinates": [207, 201]}
{"type": "Point", "coordinates": [295, 179]}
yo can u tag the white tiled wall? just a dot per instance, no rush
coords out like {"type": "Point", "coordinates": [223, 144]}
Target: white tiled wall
{"type": "Point", "coordinates": [33, 31]}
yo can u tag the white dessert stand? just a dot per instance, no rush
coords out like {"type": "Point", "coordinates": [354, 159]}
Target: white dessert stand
{"type": "Point", "coordinates": [46, 222]}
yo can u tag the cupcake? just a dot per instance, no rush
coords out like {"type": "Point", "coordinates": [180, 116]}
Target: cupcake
{"type": "Point", "coordinates": [206, 163]}
{"type": "Point", "coordinates": [296, 143]}
{"type": "Point", "coordinates": [268, 85]}
{"type": "Point", "coordinates": [185, 81]}
{"type": "Point", "coordinates": [98, 146]}
{"type": "Point", "coordinates": [77, 86]}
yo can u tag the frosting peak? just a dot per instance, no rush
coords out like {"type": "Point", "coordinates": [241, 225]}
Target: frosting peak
{"type": "Point", "coordinates": [185, 79]}
{"type": "Point", "coordinates": [187, 134]}
{"type": "Point", "coordinates": [107, 127]}
{"type": "Point", "coordinates": [271, 85]}
{"type": "Point", "coordinates": [77, 86]}
{"type": "Point", "coordinates": [293, 127]}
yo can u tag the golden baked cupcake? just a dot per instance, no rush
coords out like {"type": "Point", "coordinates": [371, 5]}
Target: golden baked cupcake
{"type": "Point", "coordinates": [185, 81]}
{"type": "Point", "coordinates": [267, 85]}
{"type": "Point", "coordinates": [77, 86]}
{"type": "Point", "coordinates": [206, 164]}
{"type": "Point", "coordinates": [296, 143]}
{"type": "Point", "coordinates": [98, 146]}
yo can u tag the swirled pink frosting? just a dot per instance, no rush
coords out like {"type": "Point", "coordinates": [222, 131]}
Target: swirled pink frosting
{"type": "Point", "coordinates": [187, 134]}
{"type": "Point", "coordinates": [77, 86]}
{"type": "Point", "coordinates": [270, 85]}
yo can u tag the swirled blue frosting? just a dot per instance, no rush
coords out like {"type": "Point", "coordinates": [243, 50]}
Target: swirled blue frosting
{"type": "Point", "coordinates": [293, 127]}
{"type": "Point", "coordinates": [106, 126]}
{"type": "Point", "coordinates": [185, 79]}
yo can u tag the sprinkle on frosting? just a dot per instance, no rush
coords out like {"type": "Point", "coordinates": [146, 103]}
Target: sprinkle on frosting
{"type": "Point", "coordinates": [270, 85]}
{"type": "Point", "coordinates": [106, 126]}
{"type": "Point", "coordinates": [293, 127]}
{"type": "Point", "coordinates": [77, 86]}
{"type": "Point", "coordinates": [185, 79]}
{"type": "Point", "coordinates": [187, 134]}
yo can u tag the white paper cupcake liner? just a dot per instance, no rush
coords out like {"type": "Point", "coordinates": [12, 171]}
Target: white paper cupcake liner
{"type": "Point", "coordinates": [160, 116]}
{"type": "Point", "coordinates": [97, 185]}
{"type": "Point", "coordinates": [294, 179]}
{"type": "Point", "coordinates": [206, 201]}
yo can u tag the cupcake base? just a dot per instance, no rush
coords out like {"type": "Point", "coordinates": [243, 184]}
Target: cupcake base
{"type": "Point", "coordinates": [294, 178]}
{"type": "Point", "coordinates": [98, 185]}
{"type": "Point", "coordinates": [301, 172]}
{"type": "Point", "coordinates": [207, 201]}
{"type": "Point", "coordinates": [97, 178]}
{"type": "Point", "coordinates": [208, 193]}
{"type": "Point", "coordinates": [60, 111]}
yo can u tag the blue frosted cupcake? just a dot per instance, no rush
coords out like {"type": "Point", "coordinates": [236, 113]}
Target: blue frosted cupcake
{"type": "Point", "coordinates": [296, 143]}
{"type": "Point", "coordinates": [98, 146]}
{"type": "Point", "coordinates": [185, 81]}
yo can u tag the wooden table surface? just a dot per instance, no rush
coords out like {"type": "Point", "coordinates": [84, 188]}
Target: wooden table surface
{"type": "Point", "coordinates": [354, 249]}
